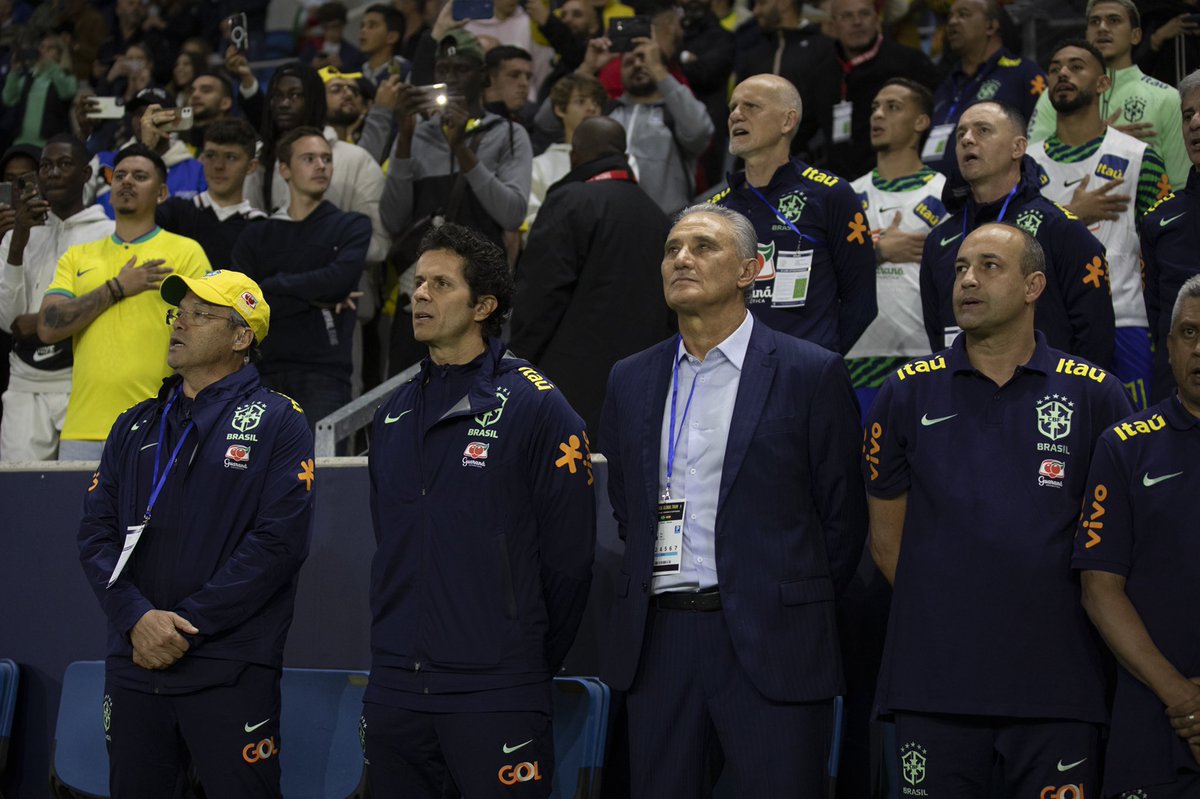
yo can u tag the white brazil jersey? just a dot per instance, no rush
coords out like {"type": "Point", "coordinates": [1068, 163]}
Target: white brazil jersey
{"type": "Point", "coordinates": [899, 328]}
{"type": "Point", "coordinates": [1119, 156]}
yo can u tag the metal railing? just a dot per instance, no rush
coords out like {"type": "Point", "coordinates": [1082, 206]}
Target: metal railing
{"type": "Point", "coordinates": [354, 416]}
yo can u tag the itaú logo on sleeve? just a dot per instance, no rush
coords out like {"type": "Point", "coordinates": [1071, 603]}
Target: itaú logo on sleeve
{"type": "Point", "coordinates": [263, 750]}
{"type": "Point", "coordinates": [521, 772]}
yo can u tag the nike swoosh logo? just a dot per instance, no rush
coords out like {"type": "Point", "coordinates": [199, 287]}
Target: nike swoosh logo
{"type": "Point", "coordinates": [1070, 766]}
{"type": "Point", "coordinates": [508, 750]}
{"type": "Point", "coordinates": [1070, 183]}
{"type": "Point", "coordinates": [83, 272]}
{"type": "Point", "coordinates": [952, 238]}
{"type": "Point", "coordinates": [1148, 481]}
{"type": "Point", "coordinates": [892, 208]}
{"type": "Point", "coordinates": [136, 425]}
{"type": "Point", "coordinates": [389, 418]}
{"type": "Point", "coordinates": [253, 727]}
{"type": "Point", "coordinates": [927, 422]}
{"type": "Point", "coordinates": [1165, 222]}
{"type": "Point", "coordinates": [43, 354]}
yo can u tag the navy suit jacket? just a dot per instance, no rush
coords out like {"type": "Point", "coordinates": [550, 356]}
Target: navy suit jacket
{"type": "Point", "coordinates": [791, 516]}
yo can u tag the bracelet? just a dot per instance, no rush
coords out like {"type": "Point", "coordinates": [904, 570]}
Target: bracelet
{"type": "Point", "coordinates": [120, 288]}
{"type": "Point", "coordinates": [112, 292]}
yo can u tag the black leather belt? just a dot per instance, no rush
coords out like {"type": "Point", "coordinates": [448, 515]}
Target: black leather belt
{"type": "Point", "coordinates": [688, 600]}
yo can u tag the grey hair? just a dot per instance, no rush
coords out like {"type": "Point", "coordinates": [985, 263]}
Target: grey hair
{"type": "Point", "coordinates": [745, 239]}
{"type": "Point", "coordinates": [1190, 290]}
{"type": "Point", "coordinates": [1135, 17]}
{"type": "Point", "coordinates": [1189, 84]}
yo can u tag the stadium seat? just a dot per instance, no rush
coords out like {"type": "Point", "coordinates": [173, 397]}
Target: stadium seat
{"type": "Point", "coordinates": [580, 733]}
{"type": "Point", "coordinates": [320, 753]}
{"type": "Point", "coordinates": [319, 750]}
{"type": "Point", "coordinates": [9, 677]}
{"type": "Point", "coordinates": [79, 759]}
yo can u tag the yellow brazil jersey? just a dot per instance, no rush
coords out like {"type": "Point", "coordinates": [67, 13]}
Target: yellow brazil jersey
{"type": "Point", "coordinates": [121, 357]}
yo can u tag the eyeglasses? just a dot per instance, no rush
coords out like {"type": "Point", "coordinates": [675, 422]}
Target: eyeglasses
{"type": "Point", "coordinates": [193, 317]}
{"type": "Point", "coordinates": [348, 88]}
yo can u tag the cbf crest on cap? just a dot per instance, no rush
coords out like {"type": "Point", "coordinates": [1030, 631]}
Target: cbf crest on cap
{"type": "Point", "coordinates": [226, 288]}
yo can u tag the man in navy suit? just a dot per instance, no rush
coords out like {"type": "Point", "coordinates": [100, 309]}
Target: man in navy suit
{"type": "Point", "coordinates": [733, 477]}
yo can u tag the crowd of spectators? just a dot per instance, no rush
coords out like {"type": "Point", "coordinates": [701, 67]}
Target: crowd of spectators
{"type": "Point", "coordinates": [430, 118]}
{"type": "Point", "coordinates": [863, 140]}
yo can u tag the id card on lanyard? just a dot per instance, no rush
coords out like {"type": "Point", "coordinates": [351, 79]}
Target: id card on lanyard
{"type": "Point", "coordinates": [793, 269]}
{"type": "Point", "coordinates": [133, 532]}
{"type": "Point", "coordinates": [668, 535]}
{"type": "Point", "coordinates": [843, 112]}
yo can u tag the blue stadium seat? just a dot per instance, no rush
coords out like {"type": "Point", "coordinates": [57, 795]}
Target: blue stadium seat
{"type": "Point", "coordinates": [320, 753]}
{"type": "Point", "coordinates": [79, 761]}
{"type": "Point", "coordinates": [9, 677]}
{"type": "Point", "coordinates": [319, 749]}
{"type": "Point", "coordinates": [580, 734]}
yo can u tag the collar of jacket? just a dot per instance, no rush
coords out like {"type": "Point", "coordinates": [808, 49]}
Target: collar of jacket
{"type": "Point", "coordinates": [211, 402]}
{"type": "Point", "coordinates": [482, 396]}
{"type": "Point", "coordinates": [584, 172]}
{"type": "Point", "coordinates": [957, 193]}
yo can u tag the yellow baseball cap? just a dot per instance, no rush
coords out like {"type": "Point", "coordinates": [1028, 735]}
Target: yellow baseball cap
{"type": "Point", "coordinates": [329, 73]}
{"type": "Point", "coordinates": [226, 288]}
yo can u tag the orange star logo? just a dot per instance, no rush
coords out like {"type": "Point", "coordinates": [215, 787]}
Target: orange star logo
{"type": "Point", "coordinates": [1037, 85]}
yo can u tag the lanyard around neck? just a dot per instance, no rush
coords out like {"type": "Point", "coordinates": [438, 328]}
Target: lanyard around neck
{"type": "Point", "coordinates": [158, 482]}
{"type": "Point", "coordinates": [672, 436]}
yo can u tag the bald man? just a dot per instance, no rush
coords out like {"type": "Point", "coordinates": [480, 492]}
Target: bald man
{"type": "Point", "coordinates": [601, 137]}
{"type": "Point", "coordinates": [591, 264]}
{"type": "Point", "coordinates": [817, 264]}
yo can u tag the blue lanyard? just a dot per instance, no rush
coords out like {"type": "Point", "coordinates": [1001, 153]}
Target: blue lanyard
{"type": "Point", "coordinates": [672, 436]}
{"type": "Point", "coordinates": [781, 217]}
{"type": "Point", "coordinates": [159, 482]}
{"type": "Point", "coordinates": [1003, 208]}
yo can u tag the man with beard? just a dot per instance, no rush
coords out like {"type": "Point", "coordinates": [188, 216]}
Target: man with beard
{"type": "Point", "coordinates": [986, 71]}
{"type": "Point", "coordinates": [1090, 167]}
{"type": "Point", "coordinates": [1135, 103]}
{"type": "Point", "coordinates": [105, 295]}
{"type": "Point", "coordinates": [48, 222]}
{"type": "Point", "coordinates": [211, 98]}
{"type": "Point", "coordinates": [347, 107]}
{"type": "Point", "coordinates": [668, 127]}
